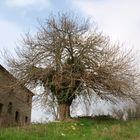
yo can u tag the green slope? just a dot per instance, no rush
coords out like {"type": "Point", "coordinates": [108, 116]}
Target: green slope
{"type": "Point", "coordinates": [83, 129]}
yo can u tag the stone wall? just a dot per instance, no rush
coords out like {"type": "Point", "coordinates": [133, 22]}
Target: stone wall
{"type": "Point", "coordinates": [15, 101]}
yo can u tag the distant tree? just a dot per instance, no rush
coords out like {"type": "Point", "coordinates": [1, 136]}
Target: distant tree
{"type": "Point", "coordinates": [68, 57]}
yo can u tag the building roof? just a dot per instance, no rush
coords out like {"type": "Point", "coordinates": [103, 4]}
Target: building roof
{"type": "Point", "coordinates": [12, 77]}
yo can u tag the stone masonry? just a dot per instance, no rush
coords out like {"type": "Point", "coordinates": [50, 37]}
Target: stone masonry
{"type": "Point", "coordinates": [15, 101]}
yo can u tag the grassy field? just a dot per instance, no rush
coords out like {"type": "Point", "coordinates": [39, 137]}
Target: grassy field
{"type": "Point", "coordinates": [83, 129]}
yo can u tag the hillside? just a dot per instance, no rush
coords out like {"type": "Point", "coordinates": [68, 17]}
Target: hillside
{"type": "Point", "coordinates": [82, 129]}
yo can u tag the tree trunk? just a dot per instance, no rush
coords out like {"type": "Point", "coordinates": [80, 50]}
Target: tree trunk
{"type": "Point", "coordinates": [64, 111]}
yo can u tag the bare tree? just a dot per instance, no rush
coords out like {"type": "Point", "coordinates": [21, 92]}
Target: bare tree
{"type": "Point", "coordinates": [66, 56]}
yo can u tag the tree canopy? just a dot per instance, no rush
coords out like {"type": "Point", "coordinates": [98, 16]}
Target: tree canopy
{"type": "Point", "coordinates": [68, 56]}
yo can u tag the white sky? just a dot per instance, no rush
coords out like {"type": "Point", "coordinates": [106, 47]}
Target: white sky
{"type": "Point", "coordinates": [120, 19]}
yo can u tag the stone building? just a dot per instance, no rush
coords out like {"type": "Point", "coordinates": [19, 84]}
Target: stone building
{"type": "Point", "coordinates": [15, 101]}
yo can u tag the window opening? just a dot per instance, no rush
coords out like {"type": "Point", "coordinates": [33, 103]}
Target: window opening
{"type": "Point", "coordinates": [17, 116]}
{"type": "Point", "coordinates": [1, 107]}
{"type": "Point", "coordinates": [26, 119]}
{"type": "Point", "coordinates": [10, 107]}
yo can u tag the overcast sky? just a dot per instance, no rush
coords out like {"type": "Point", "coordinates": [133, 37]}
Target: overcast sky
{"type": "Point", "coordinates": [120, 19]}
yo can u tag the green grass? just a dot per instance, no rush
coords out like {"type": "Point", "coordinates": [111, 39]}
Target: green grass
{"type": "Point", "coordinates": [83, 129]}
